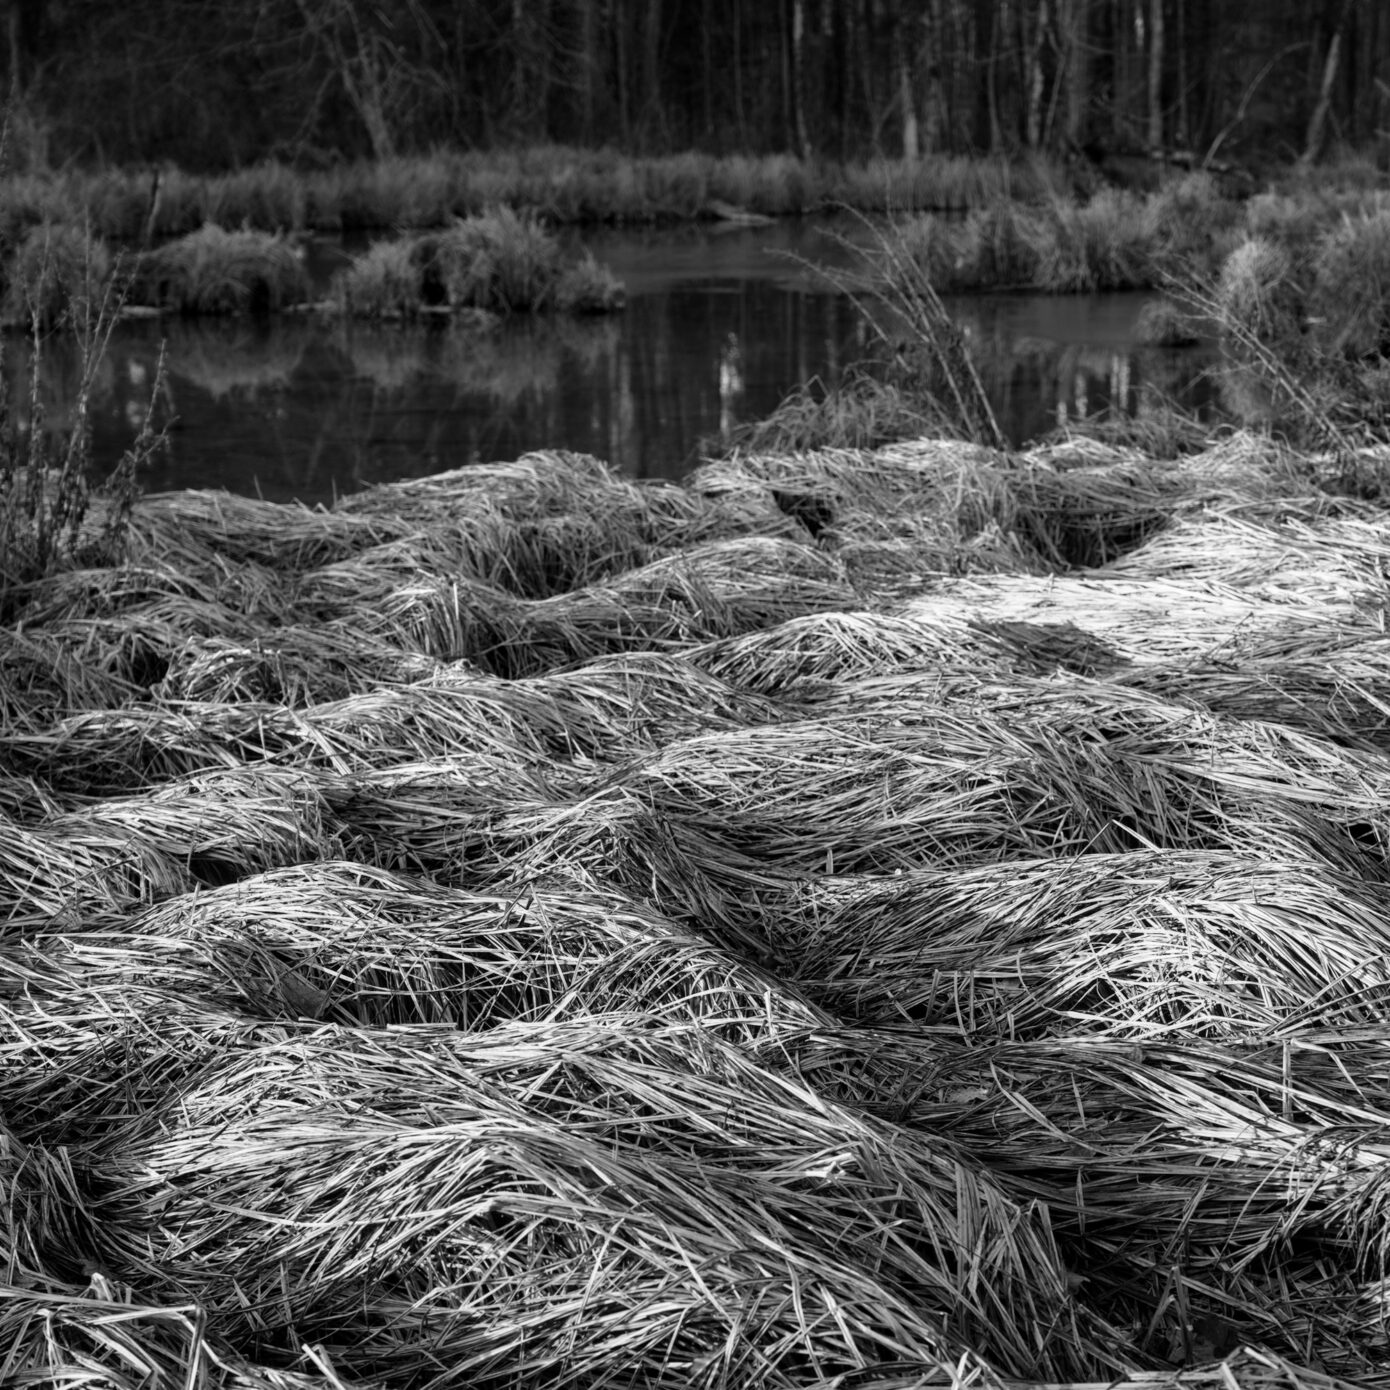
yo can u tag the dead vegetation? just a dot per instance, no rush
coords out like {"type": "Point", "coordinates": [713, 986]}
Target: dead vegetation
{"type": "Point", "coordinates": [861, 919]}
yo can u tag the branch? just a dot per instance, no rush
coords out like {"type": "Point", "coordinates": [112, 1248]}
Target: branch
{"type": "Point", "coordinates": [1245, 99]}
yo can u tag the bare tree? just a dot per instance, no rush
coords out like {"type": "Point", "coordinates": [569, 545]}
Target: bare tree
{"type": "Point", "coordinates": [380, 56]}
{"type": "Point", "coordinates": [1317, 122]}
{"type": "Point", "coordinates": [1155, 87]}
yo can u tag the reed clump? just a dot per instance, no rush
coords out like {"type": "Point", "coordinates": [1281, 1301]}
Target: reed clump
{"type": "Point", "coordinates": [215, 271]}
{"type": "Point", "coordinates": [54, 270]}
{"type": "Point", "coordinates": [498, 262]}
{"type": "Point", "coordinates": [881, 916]}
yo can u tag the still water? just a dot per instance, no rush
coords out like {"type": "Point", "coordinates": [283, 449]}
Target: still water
{"type": "Point", "coordinates": [720, 324]}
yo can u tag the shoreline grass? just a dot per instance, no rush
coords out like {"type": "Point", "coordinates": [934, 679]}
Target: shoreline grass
{"type": "Point", "coordinates": [558, 184]}
{"type": "Point", "coordinates": [471, 231]}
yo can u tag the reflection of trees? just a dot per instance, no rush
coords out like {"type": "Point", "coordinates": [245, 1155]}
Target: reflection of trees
{"type": "Point", "coordinates": [299, 407]}
{"type": "Point", "coordinates": [59, 380]}
{"type": "Point", "coordinates": [508, 364]}
{"type": "Point", "coordinates": [1038, 384]}
{"type": "Point", "coordinates": [236, 357]}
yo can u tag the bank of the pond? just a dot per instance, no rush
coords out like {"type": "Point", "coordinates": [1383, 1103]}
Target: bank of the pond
{"type": "Point", "coordinates": [486, 267]}
{"type": "Point", "coordinates": [855, 915]}
{"type": "Point", "coordinates": [1053, 222]}
{"type": "Point", "coordinates": [561, 185]}
{"type": "Point", "coordinates": [309, 407]}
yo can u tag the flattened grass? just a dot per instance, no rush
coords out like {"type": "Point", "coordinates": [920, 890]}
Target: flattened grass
{"type": "Point", "coordinates": [528, 926]}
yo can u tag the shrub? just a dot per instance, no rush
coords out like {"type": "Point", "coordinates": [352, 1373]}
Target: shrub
{"type": "Point", "coordinates": [382, 283]}
{"type": "Point", "coordinates": [926, 353]}
{"type": "Point", "coordinates": [54, 268]}
{"type": "Point", "coordinates": [269, 197]}
{"type": "Point", "coordinates": [498, 263]}
{"type": "Point", "coordinates": [502, 261]}
{"type": "Point", "coordinates": [588, 288]}
{"type": "Point", "coordinates": [1165, 323]}
{"type": "Point", "coordinates": [118, 204]}
{"type": "Point", "coordinates": [1187, 226]}
{"type": "Point", "coordinates": [1098, 245]}
{"type": "Point", "coordinates": [1257, 294]}
{"type": "Point", "coordinates": [862, 411]}
{"type": "Point", "coordinates": [179, 203]}
{"type": "Point", "coordinates": [213, 271]}
{"type": "Point", "coordinates": [1295, 222]}
{"type": "Point", "coordinates": [46, 483]}
{"type": "Point", "coordinates": [991, 248]}
{"type": "Point", "coordinates": [1350, 296]}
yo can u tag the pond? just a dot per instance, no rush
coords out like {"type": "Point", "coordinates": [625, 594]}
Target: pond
{"type": "Point", "coordinates": [721, 322]}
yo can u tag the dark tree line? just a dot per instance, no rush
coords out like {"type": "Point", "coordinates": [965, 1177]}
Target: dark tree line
{"type": "Point", "coordinates": [213, 83]}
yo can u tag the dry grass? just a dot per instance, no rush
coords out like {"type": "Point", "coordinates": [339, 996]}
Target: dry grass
{"type": "Point", "coordinates": [863, 919]}
{"type": "Point", "coordinates": [1146, 945]}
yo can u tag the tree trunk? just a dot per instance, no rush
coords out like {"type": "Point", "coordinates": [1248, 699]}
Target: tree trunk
{"type": "Point", "coordinates": [840, 33]}
{"type": "Point", "coordinates": [1184, 121]}
{"type": "Point", "coordinates": [706, 71]}
{"type": "Point", "coordinates": [996, 136]}
{"type": "Point", "coordinates": [620, 73]}
{"type": "Point", "coordinates": [1155, 126]}
{"type": "Point", "coordinates": [1033, 46]}
{"type": "Point", "coordinates": [654, 115]}
{"type": "Point", "coordinates": [907, 98]}
{"type": "Point", "coordinates": [1073, 23]}
{"type": "Point", "coordinates": [801, 143]}
{"type": "Point", "coordinates": [1119, 71]}
{"type": "Point", "coordinates": [738, 76]}
{"type": "Point", "coordinates": [928, 40]}
{"type": "Point", "coordinates": [1317, 122]}
{"type": "Point", "coordinates": [13, 37]}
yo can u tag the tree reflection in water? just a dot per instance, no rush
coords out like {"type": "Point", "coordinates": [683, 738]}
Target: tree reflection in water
{"type": "Point", "coordinates": [307, 407]}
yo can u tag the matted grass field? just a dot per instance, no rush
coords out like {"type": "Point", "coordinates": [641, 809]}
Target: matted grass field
{"type": "Point", "coordinates": [855, 920]}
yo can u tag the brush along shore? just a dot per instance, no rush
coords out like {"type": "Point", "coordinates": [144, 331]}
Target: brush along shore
{"type": "Point", "coordinates": [452, 235]}
{"type": "Point", "coordinates": [859, 918]}
{"type": "Point", "coordinates": [478, 268]}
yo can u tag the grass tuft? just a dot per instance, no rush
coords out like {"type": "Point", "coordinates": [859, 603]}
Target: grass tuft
{"type": "Point", "coordinates": [497, 263]}
{"type": "Point", "coordinates": [55, 269]}
{"type": "Point", "coordinates": [213, 271]}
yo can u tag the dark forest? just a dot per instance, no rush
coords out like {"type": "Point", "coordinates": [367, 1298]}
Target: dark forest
{"type": "Point", "coordinates": [213, 84]}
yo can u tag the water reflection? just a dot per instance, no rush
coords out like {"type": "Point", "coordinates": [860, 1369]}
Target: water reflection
{"type": "Point", "coordinates": [717, 331]}
{"type": "Point", "coordinates": [1050, 361]}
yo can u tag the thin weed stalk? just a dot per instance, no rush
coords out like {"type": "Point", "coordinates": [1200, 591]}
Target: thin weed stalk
{"type": "Point", "coordinates": [935, 346]}
{"type": "Point", "coordinates": [1300, 405]}
{"type": "Point", "coordinates": [46, 488]}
